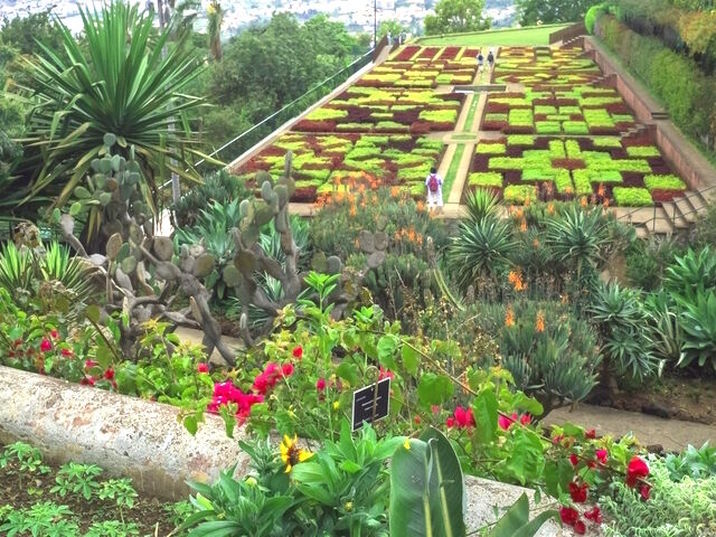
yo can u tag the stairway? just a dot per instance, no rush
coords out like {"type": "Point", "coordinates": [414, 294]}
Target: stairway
{"type": "Point", "coordinates": [573, 42]}
{"type": "Point", "coordinates": [677, 215]}
{"type": "Point", "coordinates": [636, 130]}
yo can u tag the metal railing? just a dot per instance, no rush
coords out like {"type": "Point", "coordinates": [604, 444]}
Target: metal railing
{"type": "Point", "coordinates": [659, 214]}
{"type": "Point", "coordinates": [237, 145]}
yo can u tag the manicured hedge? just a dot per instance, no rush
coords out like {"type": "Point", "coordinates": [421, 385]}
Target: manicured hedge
{"type": "Point", "coordinates": [675, 79]}
{"type": "Point", "coordinates": [632, 197]}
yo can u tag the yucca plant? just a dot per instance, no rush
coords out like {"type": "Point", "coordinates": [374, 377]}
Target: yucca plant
{"type": "Point", "coordinates": [123, 79]}
{"type": "Point", "coordinates": [481, 204]}
{"type": "Point", "coordinates": [665, 327]}
{"type": "Point", "coordinates": [576, 238]}
{"type": "Point", "coordinates": [16, 268]}
{"type": "Point", "coordinates": [699, 328]}
{"type": "Point", "coordinates": [480, 249]}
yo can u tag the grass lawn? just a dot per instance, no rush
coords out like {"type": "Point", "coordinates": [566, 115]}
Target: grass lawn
{"type": "Point", "coordinates": [452, 171]}
{"type": "Point", "coordinates": [534, 35]}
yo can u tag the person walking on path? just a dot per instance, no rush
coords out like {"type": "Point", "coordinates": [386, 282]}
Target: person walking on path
{"type": "Point", "coordinates": [434, 184]}
{"type": "Point", "coordinates": [480, 60]}
{"type": "Point", "coordinates": [491, 60]}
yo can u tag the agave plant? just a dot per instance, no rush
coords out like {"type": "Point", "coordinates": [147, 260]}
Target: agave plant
{"type": "Point", "coordinates": [481, 204]}
{"type": "Point", "coordinates": [623, 324]}
{"type": "Point", "coordinates": [480, 249]}
{"type": "Point", "coordinates": [699, 328]}
{"type": "Point", "coordinates": [16, 268]}
{"type": "Point", "coordinates": [122, 79]}
{"type": "Point", "coordinates": [692, 273]}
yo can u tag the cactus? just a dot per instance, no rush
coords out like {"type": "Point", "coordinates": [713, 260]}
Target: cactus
{"type": "Point", "coordinates": [141, 271]}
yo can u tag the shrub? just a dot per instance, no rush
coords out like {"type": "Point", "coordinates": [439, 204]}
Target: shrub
{"type": "Point", "coordinates": [490, 148]}
{"type": "Point", "coordinates": [485, 179]}
{"type": "Point", "coordinates": [521, 139]}
{"type": "Point", "coordinates": [664, 182]}
{"type": "Point", "coordinates": [643, 151]}
{"type": "Point", "coordinates": [519, 194]}
{"type": "Point", "coordinates": [325, 114]}
{"type": "Point", "coordinates": [607, 141]}
{"type": "Point", "coordinates": [221, 187]}
{"type": "Point", "coordinates": [632, 197]}
{"type": "Point", "coordinates": [593, 13]}
{"type": "Point", "coordinates": [548, 127]}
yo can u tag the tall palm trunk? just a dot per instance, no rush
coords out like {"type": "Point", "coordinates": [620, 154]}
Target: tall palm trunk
{"type": "Point", "coordinates": [215, 16]}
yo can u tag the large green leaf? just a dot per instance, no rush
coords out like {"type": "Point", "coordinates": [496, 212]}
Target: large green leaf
{"type": "Point", "coordinates": [515, 522]}
{"type": "Point", "coordinates": [426, 489]}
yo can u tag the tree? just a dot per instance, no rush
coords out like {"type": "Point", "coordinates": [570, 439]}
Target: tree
{"type": "Point", "coordinates": [393, 27]}
{"type": "Point", "coordinates": [25, 34]}
{"type": "Point", "coordinates": [452, 16]}
{"type": "Point", "coordinates": [530, 12]}
{"type": "Point", "coordinates": [119, 82]}
{"type": "Point", "coordinates": [11, 121]}
{"type": "Point", "coordinates": [215, 15]}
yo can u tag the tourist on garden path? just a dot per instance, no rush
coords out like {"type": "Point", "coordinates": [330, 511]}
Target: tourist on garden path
{"type": "Point", "coordinates": [491, 60]}
{"type": "Point", "coordinates": [434, 184]}
{"type": "Point", "coordinates": [480, 60]}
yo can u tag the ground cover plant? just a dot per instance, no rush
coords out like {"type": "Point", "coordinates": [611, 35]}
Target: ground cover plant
{"type": "Point", "coordinates": [325, 164]}
{"type": "Point", "coordinates": [528, 36]}
{"type": "Point", "coordinates": [73, 500]}
{"type": "Point", "coordinates": [602, 170]}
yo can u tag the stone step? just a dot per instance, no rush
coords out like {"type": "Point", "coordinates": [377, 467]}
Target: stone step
{"type": "Point", "coordinates": [688, 211]}
{"type": "Point", "coordinates": [675, 215]}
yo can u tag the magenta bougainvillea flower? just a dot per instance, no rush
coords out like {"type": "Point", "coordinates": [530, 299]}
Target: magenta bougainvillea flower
{"type": "Point", "coordinates": [321, 384]}
{"type": "Point", "coordinates": [45, 345]}
{"type": "Point", "coordinates": [505, 422]}
{"type": "Point", "coordinates": [462, 418]}
{"type": "Point", "coordinates": [202, 367]}
{"type": "Point", "coordinates": [298, 352]}
{"type": "Point", "coordinates": [578, 492]}
{"type": "Point", "coordinates": [637, 469]}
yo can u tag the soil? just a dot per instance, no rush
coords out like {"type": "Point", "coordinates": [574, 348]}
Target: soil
{"type": "Point", "coordinates": [678, 397]}
{"type": "Point", "coordinates": [23, 489]}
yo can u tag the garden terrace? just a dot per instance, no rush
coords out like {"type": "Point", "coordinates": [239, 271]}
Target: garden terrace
{"type": "Point", "coordinates": [605, 169]}
{"type": "Point", "coordinates": [324, 162]}
{"type": "Point", "coordinates": [385, 110]}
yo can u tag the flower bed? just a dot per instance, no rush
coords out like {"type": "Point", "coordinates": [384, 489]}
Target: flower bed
{"type": "Point", "coordinates": [322, 162]}
{"type": "Point", "coordinates": [604, 170]}
{"type": "Point", "coordinates": [389, 110]}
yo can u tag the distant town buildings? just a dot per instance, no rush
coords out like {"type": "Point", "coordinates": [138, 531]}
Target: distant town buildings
{"type": "Point", "coordinates": [357, 16]}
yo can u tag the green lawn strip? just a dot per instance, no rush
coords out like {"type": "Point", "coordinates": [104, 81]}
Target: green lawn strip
{"type": "Point", "coordinates": [536, 35]}
{"type": "Point", "coordinates": [452, 171]}
{"type": "Point", "coordinates": [471, 113]}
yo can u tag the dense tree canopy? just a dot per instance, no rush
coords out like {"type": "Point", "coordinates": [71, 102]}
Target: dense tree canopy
{"type": "Point", "coordinates": [452, 16]}
{"type": "Point", "coordinates": [530, 12]}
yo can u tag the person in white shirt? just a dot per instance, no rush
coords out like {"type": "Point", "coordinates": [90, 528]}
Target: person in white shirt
{"type": "Point", "coordinates": [434, 185]}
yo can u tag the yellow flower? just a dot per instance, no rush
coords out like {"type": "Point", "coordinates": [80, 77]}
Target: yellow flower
{"type": "Point", "coordinates": [251, 481]}
{"type": "Point", "coordinates": [336, 405]}
{"type": "Point", "coordinates": [406, 444]}
{"type": "Point", "coordinates": [291, 454]}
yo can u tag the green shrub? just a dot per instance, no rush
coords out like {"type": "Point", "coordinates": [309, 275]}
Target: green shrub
{"type": "Point", "coordinates": [548, 127]}
{"type": "Point", "coordinates": [575, 127]}
{"type": "Point", "coordinates": [506, 163]}
{"type": "Point", "coordinates": [521, 139]}
{"type": "Point", "coordinates": [439, 116]}
{"type": "Point", "coordinates": [536, 174]}
{"type": "Point", "coordinates": [220, 186]}
{"type": "Point", "coordinates": [593, 13]}
{"type": "Point", "coordinates": [582, 183]}
{"type": "Point", "coordinates": [519, 194]}
{"type": "Point", "coordinates": [632, 197]}
{"type": "Point", "coordinates": [326, 114]}
{"type": "Point", "coordinates": [605, 176]}
{"type": "Point", "coordinates": [485, 179]}
{"type": "Point", "coordinates": [490, 148]}
{"type": "Point", "coordinates": [664, 182]}
{"type": "Point", "coordinates": [607, 141]}
{"type": "Point", "coordinates": [643, 151]}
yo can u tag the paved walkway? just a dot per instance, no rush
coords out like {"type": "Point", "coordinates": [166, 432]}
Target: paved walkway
{"type": "Point", "coordinates": [673, 435]}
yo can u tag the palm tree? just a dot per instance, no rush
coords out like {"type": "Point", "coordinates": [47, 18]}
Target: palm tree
{"type": "Point", "coordinates": [215, 15]}
{"type": "Point", "coordinates": [119, 82]}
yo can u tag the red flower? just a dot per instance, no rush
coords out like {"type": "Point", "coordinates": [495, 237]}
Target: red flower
{"type": "Point", "coordinates": [580, 528]}
{"type": "Point", "coordinates": [645, 492]}
{"type": "Point", "coordinates": [298, 352]}
{"type": "Point", "coordinates": [450, 422]}
{"type": "Point", "coordinates": [636, 469]}
{"type": "Point", "coordinates": [88, 381]}
{"type": "Point", "coordinates": [569, 515]}
{"type": "Point", "coordinates": [602, 455]}
{"type": "Point", "coordinates": [595, 515]}
{"type": "Point", "coordinates": [267, 379]}
{"type": "Point", "coordinates": [557, 439]}
{"type": "Point", "coordinates": [202, 367]}
{"type": "Point", "coordinates": [578, 492]}
{"type": "Point", "coordinates": [385, 373]}
{"type": "Point", "coordinates": [89, 364]}
{"type": "Point", "coordinates": [66, 353]}
{"type": "Point", "coordinates": [417, 420]}
{"type": "Point", "coordinates": [505, 423]}
{"type": "Point", "coordinates": [287, 370]}
{"type": "Point", "coordinates": [435, 409]}
{"type": "Point", "coordinates": [525, 419]}
{"type": "Point", "coordinates": [574, 459]}
{"type": "Point", "coordinates": [54, 334]}
{"type": "Point", "coordinates": [109, 374]}
{"type": "Point", "coordinates": [45, 345]}
{"type": "Point", "coordinates": [591, 434]}
{"type": "Point", "coordinates": [321, 384]}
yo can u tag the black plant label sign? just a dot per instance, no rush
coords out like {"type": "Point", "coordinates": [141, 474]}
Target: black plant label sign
{"type": "Point", "coordinates": [371, 403]}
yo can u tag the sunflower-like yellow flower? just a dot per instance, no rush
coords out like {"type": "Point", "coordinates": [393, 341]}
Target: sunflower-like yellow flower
{"type": "Point", "coordinates": [291, 454]}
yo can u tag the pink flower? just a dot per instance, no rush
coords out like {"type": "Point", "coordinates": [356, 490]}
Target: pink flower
{"type": "Point", "coordinates": [109, 374]}
{"type": "Point", "coordinates": [385, 373]}
{"type": "Point", "coordinates": [505, 423]}
{"type": "Point", "coordinates": [88, 381]}
{"type": "Point", "coordinates": [580, 528]}
{"type": "Point", "coordinates": [637, 469]}
{"type": "Point", "coordinates": [450, 422]}
{"type": "Point", "coordinates": [591, 434]}
{"type": "Point", "coordinates": [202, 367]}
{"type": "Point", "coordinates": [89, 364]}
{"type": "Point", "coordinates": [268, 379]}
{"type": "Point", "coordinates": [226, 392]}
{"type": "Point", "coordinates": [435, 409]}
{"type": "Point", "coordinates": [574, 459]}
{"type": "Point", "coordinates": [602, 455]}
{"type": "Point", "coordinates": [645, 492]}
{"type": "Point", "coordinates": [54, 334]}
{"type": "Point", "coordinates": [595, 515]}
{"type": "Point", "coordinates": [287, 370]}
{"type": "Point", "coordinates": [45, 345]}
{"type": "Point", "coordinates": [321, 384]}
{"type": "Point", "coordinates": [66, 352]}
{"type": "Point", "coordinates": [577, 492]}
{"type": "Point", "coordinates": [298, 352]}
{"type": "Point", "coordinates": [525, 419]}
{"type": "Point", "coordinates": [464, 417]}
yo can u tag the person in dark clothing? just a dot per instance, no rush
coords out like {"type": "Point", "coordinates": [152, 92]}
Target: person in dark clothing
{"type": "Point", "coordinates": [491, 60]}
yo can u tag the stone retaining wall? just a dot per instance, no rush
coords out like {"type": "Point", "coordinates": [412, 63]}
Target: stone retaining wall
{"type": "Point", "coordinates": [145, 441]}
